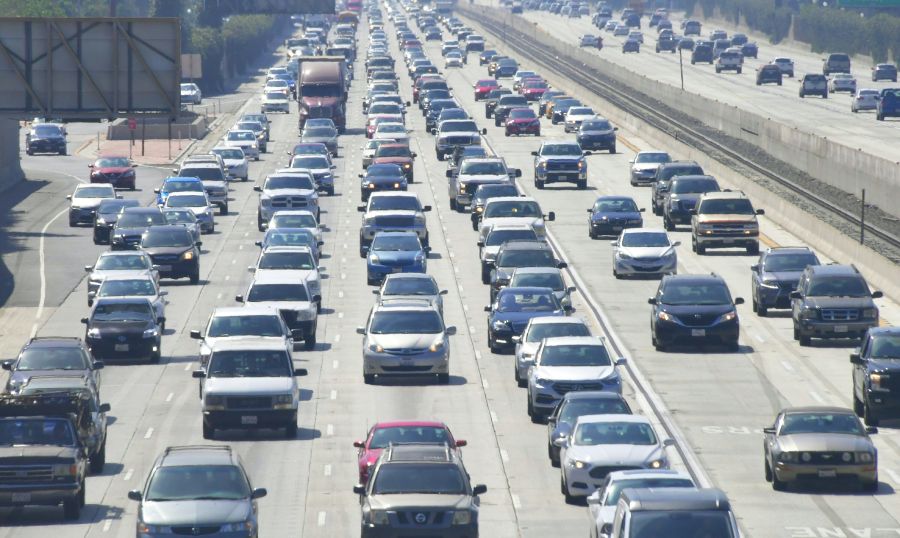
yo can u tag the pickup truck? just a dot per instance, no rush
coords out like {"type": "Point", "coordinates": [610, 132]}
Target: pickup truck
{"type": "Point", "coordinates": [471, 174]}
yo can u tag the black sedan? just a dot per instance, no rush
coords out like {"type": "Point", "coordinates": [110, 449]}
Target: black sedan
{"type": "Point", "coordinates": [107, 215]}
{"type": "Point", "coordinates": [513, 308]}
{"type": "Point", "coordinates": [131, 225]}
{"type": "Point", "coordinates": [124, 328]}
{"type": "Point", "coordinates": [597, 134]}
{"type": "Point", "coordinates": [381, 177]}
{"type": "Point", "coordinates": [611, 214]}
{"type": "Point", "coordinates": [694, 309]}
{"type": "Point", "coordinates": [173, 249]}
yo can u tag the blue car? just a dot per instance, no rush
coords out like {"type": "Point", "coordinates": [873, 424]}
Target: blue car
{"type": "Point", "coordinates": [177, 184]}
{"type": "Point", "coordinates": [381, 177]}
{"type": "Point", "coordinates": [394, 252]}
{"type": "Point", "coordinates": [612, 214]}
{"type": "Point", "coordinates": [511, 310]}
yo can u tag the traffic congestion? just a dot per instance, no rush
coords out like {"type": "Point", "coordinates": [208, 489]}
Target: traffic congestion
{"type": "Point", "coordinates": [373, 305]}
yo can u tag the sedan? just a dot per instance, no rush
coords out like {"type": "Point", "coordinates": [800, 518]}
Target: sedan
{"type": "Point", "coordinates": [322, 135]}
{"type": "Point", "coordinates": [118, 171]}
{"type": "Point", "coordinates": [819, 443]}
{"type": "Point", "coordinates": [521, 121]}
{"type": "Point", "coordinates": [394, 252]}
{"type": "Point", "coordinates": [124, 328]}
{"type": "Point", "coordinates": [535, 331]}
{"type": "Point", "coordinates": [134, 286]}
{"type": "Point", "coordinates": [412, 286]}
{"type": "Point", "coordinates": [611, 214]}
{"type": "Point", "coordinates": [596, 133]}
{"type": "Point", "coordinates": [576, 404]}
{"type": "Point", "coordinates": [631, 45]}
{"type": "Point", "coordinates": [385, 434]}
{"type": "Point", "coordinates": [382, 177]}
{"type": "Point", "coordinates": [842, 82]}
{"type": "Point", "coordinates": [694, 309]}
{"type": "Point", "coordinates": [864, 99]}
{"type": "Point", "coordinates": [197, 203]}
{"type": "Point", "coordinates": [644, 251]}
{"type": "Point", "coordinates": [645, 164]}
{"type": "Point", "coordinates": [106, 216]}
{"type": "Point", "coordinates": [513, 308]}
{"type": "Point", "coordinates": [884, 72]}
{"type": "Point", "coordinates": [776, 275]}
{"type": "Point", "coordinates": [186, 218]}
{"type": "Point", "coordinates": [190, 93]}
{"type": "Point", "coordinates": [245, 140]}
{"type": "Point", "coordinates": [236, 164]}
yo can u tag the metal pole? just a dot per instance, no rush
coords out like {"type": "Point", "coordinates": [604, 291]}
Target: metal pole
{"type": "Point", "coordinates": [862, 219]}
{"type": "Point", "coordinates": [143, 134]}
{"type": "Point", "coordinates": [170, 138]}
{"type": "Point", "coordinates": [681, 65]}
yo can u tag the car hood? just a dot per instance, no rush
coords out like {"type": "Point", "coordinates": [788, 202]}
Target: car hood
{"type": "Point", "coordinates": [483, 178]}
{"type": "Point", "coordinates": [397, 256]}
{"type": "Point", "coordinates": [392, 212]}
{"type": "Point", "coordinates": [190, 513]}
{"type": "Point", "coordinates": [21, 455]}
{"type": "Point", "coordinates": [840, 302]}
{"type": "Point", "coordinates": [574, 373]}
{"type": "Point", "coordinates": [594, 133]}
{"type": "Point", "coordinates": [19, 377]}
{"type": "Point", "coordinates": [100, 274]}
{"type": "Point", "coordinates": [244, 386]}
{"type": "Point", "coordinates": [155, 251]}
{"type": "Point", "coordinates": [706, 219]}
{"type": "Point", "coordinates": [629, 215]}
{"type": "Point", "coordinates": [829, 442]}
{"type": "Point", "coordinates": [614, 454]}
{"type": "Point", "coordinates": [646, 252]}
{"type": "Point", "coordinates": [404, 341]}
{"type": "Point", "coordinates": [414, 501]}
{"type": "Point", "coordinates": [87, 203]}
{"type": "Point", "coordinates": [234, 162]}
{"type": "Point", "coordinates": [214, 183]}
{"type": "Point", "coordinates": [288, 192]}
{"type": "Point", "coordinates": [783, 276]}
{"type": "Point", "coordinates": [113, 169]}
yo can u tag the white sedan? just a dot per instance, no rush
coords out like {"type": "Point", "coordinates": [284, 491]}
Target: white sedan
{"type": "Point", "coordinates": [864, 99]}
{"type": "Point", "coordinates": [245, 140]}
{"type": "Point", "coordinates": [236, 164]}
{"type": "Point", "coordinates": [275, 101]}
{"type": "Point", "coordinates": [392, 131]}
{"type": "Point", "coordinates": [644, 251]}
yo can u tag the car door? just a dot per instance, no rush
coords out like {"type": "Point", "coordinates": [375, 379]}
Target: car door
{"type": "Point", "coordinates": [797, 304]}
{"type": "Point", "coordinates": [859, 370]}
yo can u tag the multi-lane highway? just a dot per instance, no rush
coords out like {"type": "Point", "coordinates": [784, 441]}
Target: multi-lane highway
{"type": "Point", "coordinates": [718, 401]}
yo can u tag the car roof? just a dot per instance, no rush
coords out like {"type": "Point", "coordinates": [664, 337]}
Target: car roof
{"type": "Point", "coordinates": [884, 331]}
{"type": "Point", "coordinates": [54, 341]}
{"type": "Point", "coordinates": [416, 452]}
{"type": "Point", "coordinates": [541, 320]}
{"type": "Point", "coordinates": [409, 424]}
{"type": "Point", "coordinates": [647, 473]}
{"type": "Point", "coordinates": [526, 289]}
{"type": "Point", "coordinates": [197, 455]}
{"type": "Point", "coordinates": [592, 395]}
{"type": "Point", "coordinates": [635, 419]}
{"type": "Point", "coordinates": [167, 228]}
{"type": "Point", "coordinates": [396, 194]}
{"type": "Point", "coordinates": [629, 231]}
{"type": "Point", "coordinates": [833, 269]}
{"type": "Point", "coordinates": [249, 309]}
{"type": "Point", "coordinates": [526, 244]}
{"type": "Point", "coordinates": [262, 344]}
{"type": "Point", "coordinates": [574, 341]}
{"type": "Point", "coordinates": [410, 276]}
{"type": "Point", "coordinates": [694, 279]}
{"type": "Point", "coordinates": [658, 499]}
{"type": "Point", "coordinates": [817, 409]}
{"type": "Point", "coordinates": [721, 195]}
{"type": "Point", "coordinates": [613, 197]}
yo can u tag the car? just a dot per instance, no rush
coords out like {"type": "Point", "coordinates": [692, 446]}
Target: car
{"type": "Point", "coordinates": [118, 263]}
{"type": "Point", "coordinates": [681, 510]}
{"type": "Point", "coordinates": [321, 135]}
{"type": "Point", "coordinates": [486, 56]}
{"type": "Point", "coordinates": [208, 479]}
{"type": "Point", "coordinates": [559, 107]}
{"type": "Point", "coordinates": [382, 177]}
{"type": "Point", "coordinates": [785, 64]}
{"type": "Point", "coordinates": [106, 215]}
{"type": "Point", "coordinates": [83, 203]}
{"type": "Point", "coordinates": [262, 322]}
{"type": "Point", "coordinates": [383, 435]}
{"type": "Point", "coordinates": [695, 309]}
{"type": "Point", "coordinates": [875, 366]}
{"type": "Point", "coordinates": [666, 42]}
{"type": "Point", "coordinates": [665, 172]}
{"type": "Point", "coordinates": [296, 218]}
{"type": "Point", "coordinates": [768, 74]}
{"type": "Point", "coordinates": [412, 286]}
{"type": "Point", "coordinates": [173, 251]}
{"type": "Point", "coordinates": [887, 104]}
{"type": "Point", "coordinates": [513, 210]}
{"type": "Point", "coordinates": [545, 99]}
{"type": "Point", "coordinates": [131, 225]}
{"type": "Point", "coordinates": [405, 337]}
{"type": "Point", "coordinates": [236, 164]}
{"type": "Point", "coordinates": [533, 89]}
{"type": "Point", "coordinates": [521, 120]}
{"type": "Point", "coordinates": [814, 84]}
{"type": "Point", "coordinates": [117, 171]}
{"type": "Point", "coordinates": [749, 50]}
{"type": "Point", "coordinates": [453, 59]}
{"type": "Point", "coordinates": [645, 164]}
{"type": "Point", "coordinates": [177, 184]}
{"type": "Point", "coordinates": [631, 45]}
{"type": "Point", "coordinates": [45, 138]}
{"type": "Point", "coordinates": [495, 238]}
{"type": "Point", "coordinates": [565, 364]}
{"type": "Point", "coordinates": [392, 211]}
{"type": "Point", "coordinates": [644, 252]}
{"type": "Point", "coordinates": [730, 60]}
{"type": "Point", "coordinates": [408, 477]}
{"type": "Point", "coordinates": [319, 168]}
{"type": "Point", "coordinates": [124, 328]}
{"type": "Point", "coordinates": [190, 93]}
{"type": "Point", "coordinates": [137, 285]}
{"type": "Point", "coordinates": [275, 101]}
{"type": "Point", "coordinates": [575, 404]}
{"type": "Point", "coordinates": [394, 252]}
{"type": "Point", "coordinates": [506, 67]}
{"type": "Point", "coordinates": [543, 277]}
{"type": "Point", "coordinates": [681, 197]}
{"type": "Point", "coordinates": [395, 153]}
{"type": "Point", "coordinates": [243, 140]}
{"type": "Point", "coordinates": [186, 218]}
{"type": "Point", "coordinates": [575, 116]}
{"type": "Point", "coordinates": [819, 443]}
{"type": "Point", "coordinates": [832, 302]}
{"type": "Point", "coordinates": [288, 189]}
{"type": "Point", "coordinates": [620, 30]}
{"type": "Point", "coordinates": [297, 262]}
{"type": "Point", "coordinates": [702, 52]}
{"type": "Point", "coordinates": [215, 181]}
{"type": "Point", "coordinates": [588, 40]}
{"type": "Point", "coordinates": [368, 151]}
{"type": "Point", "coordinates": [261, 117]}
{"type": "Point", "coordinates": [636, 35]}
{"type": "Point", "coordinates": [599, 444]}
{"type": "Point", "coordinates": [560, 161]}
{"type": "Point", "coordinates": [505, 104]}
{"type": "Point", "coordinates": [836, 62]}
{"type": "Point", "coordinates": [492, 97]}
{"type": "Point", "coordinates": [611, 214]}
{"type": "Point", "coordinates": [52, 356]}
{"type": "Point", "coordinates": [535, 331]}
{"type": "Point", "coordinates": [864, 99]}
{"type": "Point", "coordinates": [516, 254]}
{"type": "Point", "coordinates": [452, 133]}
{"type": "Point", "coordinates": [842, 82]}
{"type": "Point", "coordinates": [441, 110]}
{"type": "Point", "coordinates": [198, 204]}
{"type": "Point", "coordinates": [485, 192]}
{"type": "Point", "coordinates": [289, 293]}
{"type": "Point", "coordinates": [724, 220]}
{"type": "Point", "coordinates": [472, 172]}
{"type": "Point", "coordinates": [603, 502]}
{"type": "Point", "coordinates": [884, 72]}
{"type": "Point", "coordinates": [510, 312]}
{"type": "Point", "coordinates": [776, 275]}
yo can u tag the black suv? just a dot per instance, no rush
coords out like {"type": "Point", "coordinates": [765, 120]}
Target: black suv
{"type": "Point", "coordinates": [515, 254]}
{"type": "Point", "coordinates": [680, 198]}
{"type": "Point", "coordinates": [832, 301]}
{"type": "Point", "coordinates": [124, 328]}
{"type": "Point", "coordinates": [768, 73]}
{"type": "Point", "coordinates": [421, 490]}
{"type": "Point", "coordinates": [694, 308]}
{"type": "Point", "coordinates": [876, 375]}
{"type": "Point", "coordinates": [664, 174]}
{"type": "Point", "coordinates": [776, 274]}
{"type": "Point", "coordinates": [131, 225]}
{"type": "Point", "coordinates": [52, 355]}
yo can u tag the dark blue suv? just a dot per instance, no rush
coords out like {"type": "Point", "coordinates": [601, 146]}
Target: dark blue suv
{"type": "Point", "coordinates": [776, 274]}
{"type": "Point", "coordinates": [876, 375]}
{"type": "Point", "coordinates": [694, 309]}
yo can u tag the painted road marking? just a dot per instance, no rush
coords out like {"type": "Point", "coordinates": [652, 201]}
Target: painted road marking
{"type": "Point", "coordinates": [149, 433]}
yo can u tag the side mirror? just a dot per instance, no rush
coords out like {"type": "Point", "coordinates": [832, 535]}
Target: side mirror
{"type": "Point", "coordinates": [450, 331]}
{"type": "Point", "coordinates": [561, 265]}
{"type": "Point", "coordinates": [84, 321]}
{"type": "Point", "coordinates": [480, 489]}
{"type": "Point", "coordinates": [534, 153]}
{"type": "Point", "coordinates": [135, 495]}
{"type": "Point", "coordinates": [651, 300]}
{"type": "Point", "coordinates": [760, 211]}
{"type": "Point", "coordinates": [105, 408]}
{"type": "Point", "coordinates": [195, 334]}
{"type": "Point", "coordinates": [361, 208]}
{"type": "Point", "coordinates": [551, 216]}
{"type": "Point", "coordinates": [594, 498]}
{"type": "Point", "coordinates": [461, 443]}
{"type": "Point", "coordinates": [855, 357]}
{"type": "Point", "coordinates": [257, 188]}
{"type": "Point", "coordinates": [487, 308]}
{"type": "Point", "coordinates": [7, 365]}
{"type": "Point", "coordinates": [259, 493]}
{"type": "Point", "coordinates": [587, 153]}
{"type": "Point", "coordinates": [692, 211]}
{"type": "Point", "coordinates": [426, 209]}
{"type": "Point", "coordinates": [590, 210]}
{"type": "Point", "coordinates": [877, 295]}
{"type": "Point", "coordinates": [156, 191]}
{"type": "Point", "coordinates": [669, 442]}
{"type": "Point", "coordinates": [606, 529]}
{"type": "Point", "coordinates": [769, 430]}
{"type": "Point", "coordinates": [360, 330]}
{"type": "Point", "coordinates": [621, 361]}
{"type": "Point", "coordinates": [317, 298]}
{"type": "Point", "coordinates": [251, 269]}
{"type": "Point", "coordinates": [755, 268]}
{"type": "Point", "coordinates": [88, 268]}
{"type": "Point", "coordinates": [199, 243]}
{"type": "Point", "coordinates": [676, 244]}
{"type": "Point", "coordinates": [568, 308]}
{"type": "Point", "coordinates": [198, 374]}
{"type": "Point", "coordinates": [561, 442]}
{"type": "Point", "coordinates": [358, 444]}
{"type": "Point", "coordinates": [738, 300]}
{"type": "Point", "coordinates": [258, 243]}
{"type": "Point", "coordinates": [480, 244]}
{"type": "Point", "coordinates": [301, 372]}
{"type": "Point", "coordinates": [175, 171]}
{"type": "Point", "coordinates": [449, 173]}
{"type": "Point", "coordinates": [484, 130]}
{"type": "Point", "coordinates": [68, 197]}
{"type": "Point", "coordinates": [359, 489]}
{"type": "Point", "coordinates": [871, 429]}
{"type": "Point", "coordinates": [796, 295]}
{"type": "Point", "coordinates": [239, 298]}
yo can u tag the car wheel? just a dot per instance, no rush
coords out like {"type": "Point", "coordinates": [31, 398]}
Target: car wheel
{"type": "Point", "coordinates": [369, 379]}
{"type": "Point", "coordinates": [453, 204]}
{"type": "Point", "coordinates": [538, 184]}
{"type": "Point", "coordinates": [195, 276]}
{"type": "Point", "coordinates": [668, 224]}
{"type": "Point", "coordinates": [208, 431]}
{"type": "Point", "coordinates": [761, 311]}
{"type": "Point", "coordinates": [290, 431]}
{"type": "Point", "coordinates": [612, 150]}
{"type": "Point", "coordinates": [72, 223]}
{"type": "Point", "coordinates": [869, 417]}
{"type": "Point", "coordinates": [72, 507]}
{"type": "Point", "coordinates": [443, 379]}
{"type": "Point", "coordinates": [657, 345]}
{"type": "Point", "coordinates": [858, 406]}
{"type": "Point", "coordinates": [309, 343]}
{"type": "Point", "coordinates": [440, 156]}
{"type": "Point", "coordinates": [796, 332]}
{"type": "Point", "coordinates": [805, 341]}
{"type": "Point", "coordinates": [98, 460]}
{"type": "Point", "coordinates": [553, 452]}
{"type": "Point", "coordinates": [581, 184]}
{"type": "Point", "coordinates": [768, 472]}
{"type": "Point", "coordinates": [777, 484]}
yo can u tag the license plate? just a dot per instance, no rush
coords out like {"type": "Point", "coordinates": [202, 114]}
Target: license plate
{"type": "Point", "coordinates": [827, 473]}
{"type": "Point", "coordinates": [698, 332]}
{"type": "Point", "coordinates": [840, 328]}
{"type": "Point", "coordinates": [560, 177]}
{"type": "Point", "coordinates": [397, 269]}
{"type": "Point", "coordinates": [21, 497]}
{"type": "Point", "coordinates": [727, 241]}
{"type": "Point", "coordinates": [617, 228]}
{"type": "Point", "coordinates": [249, 419]}
{"type": "Point", "coordinates": [121, 347]}
{"type": "Point", "coordinates": [165, 267]}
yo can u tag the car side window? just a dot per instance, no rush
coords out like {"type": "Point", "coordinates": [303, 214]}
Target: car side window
{"type": "Point", "coordinates": [621, 531]}
{"type": "Point", "coordinates": [866, 344]}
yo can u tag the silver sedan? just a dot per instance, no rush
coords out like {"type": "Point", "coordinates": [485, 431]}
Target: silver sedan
{"type": "Point", "coordinates": [644, 251]}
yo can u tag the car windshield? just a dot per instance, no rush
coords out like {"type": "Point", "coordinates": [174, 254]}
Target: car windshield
{"type": "Point", "coordinates": [498, 237]}
{"type": "Point", "coordinates": [513, 209]}
{"type": "Point", "coordinates": [229, 153]}
{"type": "Point", "coordinates": [293, 182]}
{"type": "Point", "coordinates": [177, 216]}
{"type": "Point", "coordinates": [36, 431]}
{"type": "Point", "coordinates": [838, 286]}
{"type": "Point", "coordinates": [885, 346]}
{"type": "Point", "coordinates": [52, 358]}
{"type": "Point", "coordinates": [581, 111]}
{"type": "Point", "coordinates": [287, 260]}
{"type": "Point", "coordinates": [249, 363]}
{"type": "Point", "coordinates": [123, 312]}
{"type": "Point", "coordinates": [319, 132]}
{"type": "Point", "coordinates": [795, 423]}
{"type": "Point", "coordinates": [522, 114]}
{"type": "Point", "coordinates": [482, 168]}
{"type": "Point", "coordinates": [695, 293]}
{"type": "Point", "coordinates": [595, 125]}
{"type": "Point", "coordinates": [486, 192]}
{"type": "Point", "coordinates": [94, 192]}
{"type": "Point", "coordinates": [616, 206]}
{"type": "Point", "coordinates": [645, 239]}
{"type": "Point", "coordinates": [250, 126]}
{"type": "Point", "coordinates": [615, 433]}
{"type": "Point", "coordinates": [245, 136]}
{"type": "Point", "coordinates": [245, 325]}
{"type": "Point", "coordinates": [280, 237]}
{"type": "Point", "coordinates": [613, 490]}
{"type": "Point", "coordinates": [575, 355]}
{"type": "Point", "coordinates": [277, 292]}
{"type": "Point", "coordinates": [112, 162]}
{"type": "Point", "coordinates": [526, 258]}
{"type": "Point", "coordinates": [294, 221]}
{"type": "Point", "coordinates": [383, 437]}
{"type": "Point", "coordinates": [167, 238]}
{"type": "Point", "coordinates": [197, 482]}
{"type": "Point", "coordinates": [314, 148]}
{"type": "Point", "coordinates": [406, 322]}
{"type": "Point", "coordinates": [681, 524]}
{"type": "Point", "coordinates": [536, 85]}
{"type": "Point", "coordinates": [393, 151]}
{"type": "Point", "coordinates": [580, 407]}
{"type": "Point", "coordinates": [47, 130]}
{"type": "Point", "coordinates": [182, 186]}
{"type": "Point", "coordinates": [458, 126]}
{"type": "Point", "coordinates": [694, 186]}
{"type": "Point", "coordinates": [112, 206]}
{"type": "Point", "coordinates": [561, 149]}
{"type": "Point", "coordinates": [789, 262]}
{"type": "Point", "coordinates": [385, 108]}
{"type": "Point", "coordinates": [213, 173]}
{"type": "Point", "coordinates": [391, 128]}
{"type": "Point", "coordinates": [668, 172]}
{"type": "Point", "coordinates": [513, 100]}
{"type": "Point", "coordinates": [384, 170]}
{"type": "Point", "coordinates": [122, 262]}
{"type": "Point", "coordinates": [513, 301]}
{"type": "Point", "coordinates": [553, 281]}
{"type": "Point", "coordinates": [396, 243]}
{"type": "Point", "coordinates": [187, 200]}
{"type": "Point", "coordinates": [394, 203]}
{"type": "Point", "coordinates": [739, 206]}
{"type": "Point", "coordinates": [137, 220]}
{"type": "Point", "coordinates": [118, 288]}
{"type": "Point", "coordinates": [410, 286]}
{"type": "Point", "coordinates": [430, 478]}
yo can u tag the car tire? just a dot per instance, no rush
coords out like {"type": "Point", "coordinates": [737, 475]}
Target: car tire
{"type": "Point", "coordinates": [453, 205]}
{"type": "Point", "coordinates": [99, 460]}
{"type": "Point", "coordinates": [581, 184]}
{"type": "Point", "coordinates": [290, 431]}
{"type": "Point", "coordinates": [223, 210]}
{"type": "Point", "coordinates": [761, 311]}
{"type": "Point", "coordinates": [208, 431]}
{"type": "Point", "coordinates": [565, 491]}
{"type": "Point", "coordinates": [538, 184]}
{"type": "Point", "coordinates": [491, 344]}
{"type": "Point", "coordinates": [768, 471]}
{"type": "Point", "coordinates": [195, 276]}
{"type": "Point", "coordinates": [369, 379]}
{"type": "Point", "coordinates": [777, 484]}
{"type": "Point", "coordinates": [440, 156]}
{"type": "Point", "coordinates": [739, 71]}
{"type": "Point", "coordinates": [156, 356]}
{"type": "Point", "coordinates": [805, 341]}
{"type": "Point", "coordinates": [858, 406]}
{"type": "Point", "coordinates": [668, 224]}
{"type": "Point", "coordinates": [309, 343]}
{"type": "Point", "coordinates": [612, 150]}
{"type": "Point", "coordinates": [869, 417]}
{"type": "Point", "coordinates": [796, 332]}
{"type": "Point", "coordinates": [443, 379]}
{"type": "Point", "coordinates": [72, 507]}
{"type": "Point", "coordinates": [72, 223]}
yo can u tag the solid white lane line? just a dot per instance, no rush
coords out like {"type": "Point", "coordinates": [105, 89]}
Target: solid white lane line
{"type": "Point", "coordinates": [149, 433]}
{"type": "Point", "coordinates": [335, 364]}
{"type": "Point", "coordinates": [517, 504]}
{"type": "Point", "coordinates": [169, 397]}
{"type": "Point", "coordinates": [334, 395]}
{"type": "Point", "coordinates": [329, 429]}
{"type": "Point", "coordinates": [43, 291]}
{"type": "Point", "coordinates": [504, 455]}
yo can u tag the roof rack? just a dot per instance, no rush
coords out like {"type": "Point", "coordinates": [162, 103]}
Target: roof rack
{"type": "Point", "coordinates": [170, 449]}
{"type": "Point", "coordinates": [61, 403]}
{"type": "Point", "coordinates": [33, 338]}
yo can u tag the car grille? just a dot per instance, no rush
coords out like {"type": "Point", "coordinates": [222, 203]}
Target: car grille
{"type": "Point", "coordinates": [569, 386]}
{"type": "Point", "coordinates": [829, 458]}
{"type": "Point", "coordinates": [215, 191]}
{"type": "Point", "coordinates": [393, 221]}
{"type": "Point", "coordinates": [195, 531]}
{"type": "Point", "coordinates": [431, 518]}
{"type": "Point", "coordinates": [164, 259]}
{"type": "Point", "coordinates": [602, 471]}
{"type": "Point", "coordinates": [289, 201]}
{"type": "Point", "coordinates": [26, 474]}
{"type": "Point", "coordinates": [249, 402]}
{"type": "Point", "coordinates": [698, 320]}
{"type": "Point", "coordinates": [840, 314]}
{"type": "Point", "coordinates": [405, 351]}
{"type": "Point", "coordinates": [562, 166]}
{"type": "Point", "coordinates": [458, 140]}
{"type": "Point", "coordinates": [411, 368]}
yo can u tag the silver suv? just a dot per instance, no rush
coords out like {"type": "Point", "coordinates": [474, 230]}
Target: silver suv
{"type": "Point", "coordinates": [462, 182]}
{"type": "Point", "coordinates": [286, 189]}
{"type": "Point", "coordinates": [452, 133]}
{"type": "Point", "coordinates": [421, 490]}
{"type": "Point", "coordinates": [392, 212]}
{"type": "Point", "coordinates": [198, 488]}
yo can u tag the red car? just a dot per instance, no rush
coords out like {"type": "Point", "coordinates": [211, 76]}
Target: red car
{"type": "Point", "coordinates": [119, 171]}
{"type": "Point", "coordinates": [533, 90]}
{"type": "Point", "coordinates": [484, 87]}
{"type": "Point", "coordinates": [398, 154]}
{"type": "Point", "coordinates": [401, 432]}
{"type": "Point", "coordinates": [522, 121]}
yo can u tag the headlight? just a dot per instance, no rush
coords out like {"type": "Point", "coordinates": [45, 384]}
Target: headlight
{"type": "Point", "coordinates": [238, 526]}
{"type": "Point", "coordinates": [143, 528]}
{"type": "Point", "coordinates": [542, 166]}
{"type": "Point", "coordinates": [265, 202]}
{"type": "Point", "coordinates": [658, 464]}
{"type": "Point", "coordinates": [94, 333]}
{"type": "Point", "coordinates": [877, 381]}
{"type": "Point", "coordinates": [373, 258]}
{"type": "Point", "coordinates": [540, 382]}
{"type": "Point", "coordinates": [479, 209]}
{"type": "Point", "coordinates": [214, 403]}
{"type": "Point", "coordinates": [371, 185]}
{"type": "Point", "coordinates": [408, 166]}
{"type": "Point", "coordinates": [500, 324]}
{"type": "Point", "coordinates": [788, 457]}
{"type": "Point", "coordinates": [189, 255]}
{"type": "Point", "coordinates": [665, 316]}
{"type": "Point", "coordinates": [865, 457]}
{"type": "Point", "coordinates": [806, 457]}
{"type": "Point", "coordinates": [581, 164]}
{"type": "Point", "coordinates": [101, 221]}
{"type": "Point", "coordinates": [771, 284]}
{"type": "Point", "coordinates": [378, 517]}
{"type": "Point", "coordinates": [808, 313]}
{"type": "Point", "coordinates": [437, 346]}
{"type": "Point", "coordinates": [283, 401]}
{"type": "Point", "coordinates": [151, 333]}
{"type": "Point", "coordinates": [870, 313]}
{"type": "Point", "coordinates": [727, 316]}
{"type": "Point", "coordinates": [578, 464]}
{"type": "Point", "coordinates": [376, 348]}
{"type": "Point", "coordinates": [462, 517]}
{"type": "Point", "coordinates": [623, 256]}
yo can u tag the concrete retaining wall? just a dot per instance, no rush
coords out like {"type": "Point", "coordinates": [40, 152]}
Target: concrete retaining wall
{"type": "Point", "coordinates": [840, 166]}
{"type": "Point", "coordinates": [158, 128]}
{"type": "Point", "coordinates": [10, 159]}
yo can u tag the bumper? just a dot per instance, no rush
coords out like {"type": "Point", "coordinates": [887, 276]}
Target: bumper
{"type": "Point", "coordinates": [534, 129]}
{"type": "Point", "coordinates": [668, 332]}
{"type": "Point", "coordinates": [551, 176]}
{"type": "Point", "coordinates": [37, 494]}
{"type": "Point", "coordinates": [885, 403]}
{"type": "Point", "coordinates": [367, 191]}
{"type": "Point", "coordinates": [250, 418]}
{"type": "Point", "coordinates": [789, 472]}
{"type": "Point", "coordinates": [118, 182]}
{"type": "Point", "coordinates": [276, 108]}
{"type": "Point", "coordinates": [831, 329]}
{"type": "Point", "coordinates": [425, 363]}
{"type": "Point", "coordinates": [600, 227]}
{"type": "Point", "coordinates": [132, 348]}
{"type": "Point", "coordinates": [503, 337]}
{"type": "Point", "coordinates": [180, 269]}
{"type": "Point", "coordinates": [102, 233]}
{"type": "Point", "coordinates": [238, 171]}
{"type": "Point", "coordinates": [387, 531]}
{"type": "Point", "coordinates": [728, 241]}
{"type": "Point", "coordinates": [43, 146]}
{"type": "Point", "coordinates": [773, 297]}
{"type": "Point", "coordinates": [545, 399]}
{"type": "Point", "coordinates": [81, 216]}
{"type": "Point", "coordinates": [368, 232]}
{"type": "Point", "coordinates": [662, 266]}
{"type": "Point", "coordinates": [580, 483]}
{"type": "Point", "coordinates": [643, 177]}
{"type": "Point", "coordinates": [678, 215]}
{"type": "Point", "coordinates": [377, 272]}
{"type": "Point", "coordinates": [523, 364]}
